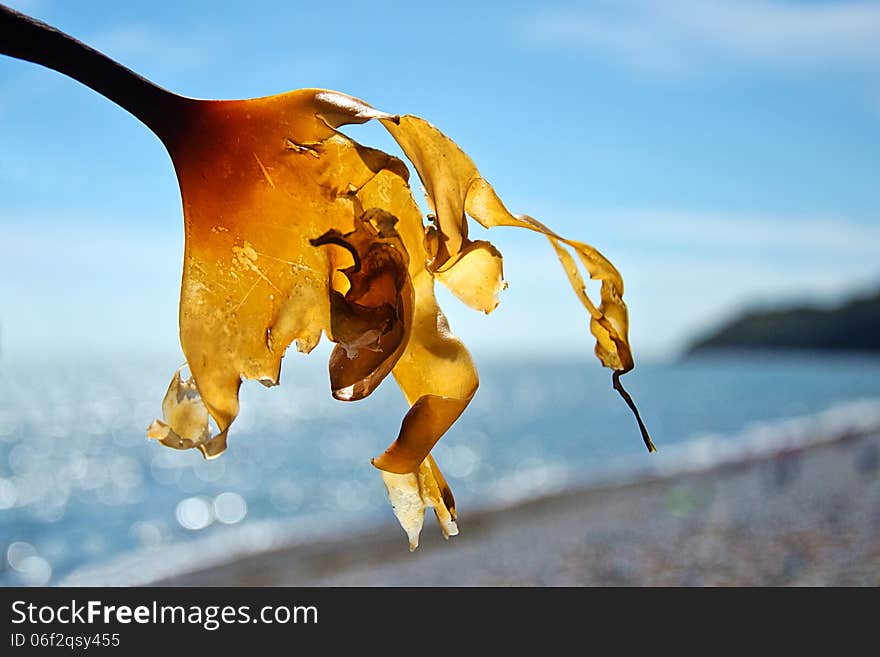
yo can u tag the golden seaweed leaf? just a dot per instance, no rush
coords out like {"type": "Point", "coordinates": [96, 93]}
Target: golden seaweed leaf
{"type": "Point", "coordinates": [293, 230]}
{"type": "Point", "coordinates": [411, 493]}
{"type": "Point", "coordinates": [370, 321]}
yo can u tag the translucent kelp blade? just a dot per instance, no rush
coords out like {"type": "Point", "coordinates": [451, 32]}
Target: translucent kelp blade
{"type": "Point", "coordinates": [435, 372]}
{"type": "Point", "coordinates": [184, 422]}
{"type": "Point", "coordinates": [291, 233]}
{"type": "Point", "coordinates": [370, 322]}
{"type": "Point", "coordinates": [259, 180]}
{"type": "Point", "coordinates": [443, 487]}
{"type": "Point", "coordinates": [265, 183]}
{"type": "Point", "coordinates": [475, 276]}
{"type": "Point", "coordinates": [411, 493]}
{"type": "Point", "coordinates": [456, 189]}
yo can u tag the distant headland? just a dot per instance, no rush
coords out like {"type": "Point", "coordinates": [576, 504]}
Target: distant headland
{"type": "Point", "coordinates": [851, 326]}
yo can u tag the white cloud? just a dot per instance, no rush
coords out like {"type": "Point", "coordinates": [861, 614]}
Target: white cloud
{"type": "Point", "coordinates": [805, 236]}
{"type": "Point", "coordinates": [678, 36]}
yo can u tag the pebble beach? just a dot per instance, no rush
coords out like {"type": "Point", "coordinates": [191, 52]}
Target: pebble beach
{"type": "Point", "coordinates": [790, 515]}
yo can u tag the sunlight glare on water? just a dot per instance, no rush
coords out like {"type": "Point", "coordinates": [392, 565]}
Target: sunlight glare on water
{"type": "Point", "coordinates": [80, 483]}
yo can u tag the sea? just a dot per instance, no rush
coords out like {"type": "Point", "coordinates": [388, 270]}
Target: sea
{"type": "Point", "coordinates": [81, 485]}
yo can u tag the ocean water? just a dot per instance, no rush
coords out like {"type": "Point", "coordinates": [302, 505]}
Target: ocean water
{"type": "Point", "coordinates": [80, 484]}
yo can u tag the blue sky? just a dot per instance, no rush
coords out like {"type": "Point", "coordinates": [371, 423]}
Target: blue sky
{"type": "Point", "coordinates": [719, 153]}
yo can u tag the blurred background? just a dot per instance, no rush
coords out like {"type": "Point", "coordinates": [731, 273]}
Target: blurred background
{"type": "Point", "coordinates": [722, 154]}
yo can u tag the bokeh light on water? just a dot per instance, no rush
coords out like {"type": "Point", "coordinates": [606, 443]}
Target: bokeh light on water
{"type": "Point", "coordinates": [80, 484]}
